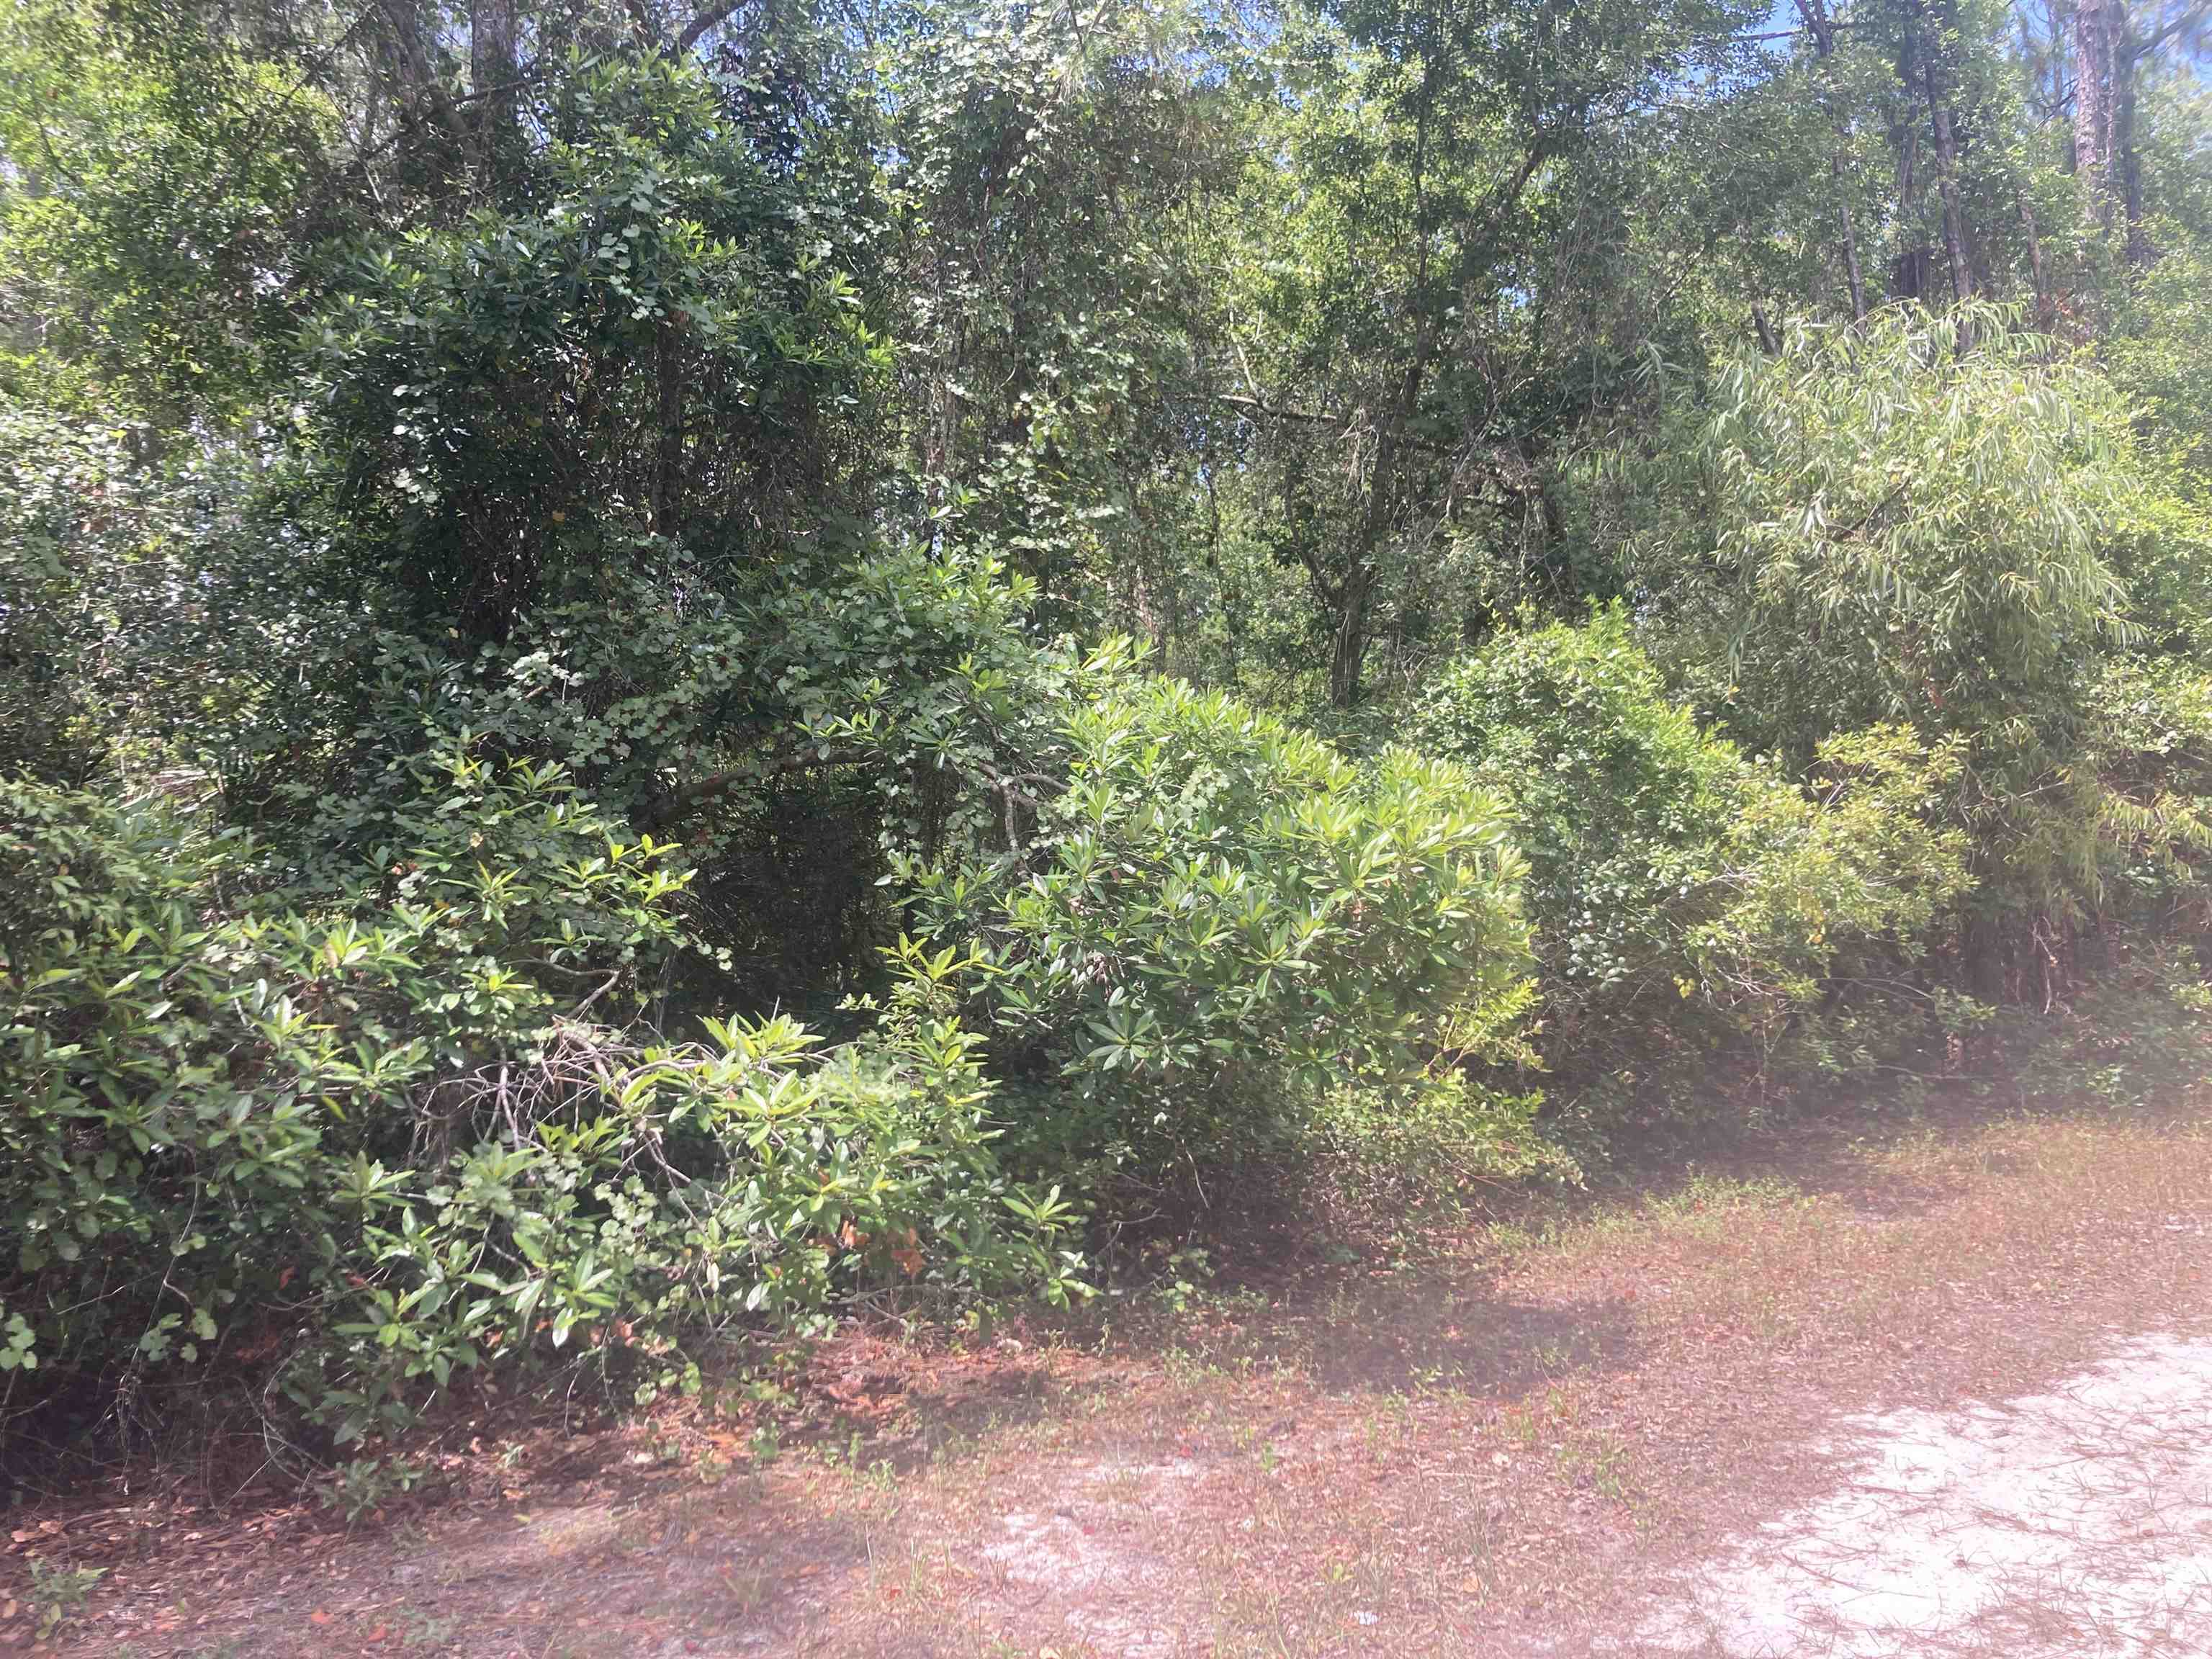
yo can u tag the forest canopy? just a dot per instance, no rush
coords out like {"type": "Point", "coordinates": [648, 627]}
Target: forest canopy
{"type": "Point", "coordinates": [662, 671]}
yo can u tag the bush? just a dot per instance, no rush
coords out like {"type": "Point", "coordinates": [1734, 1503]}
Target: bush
{"type": "Point", "coordinates": [2150, 749]}
{"type": "Point", "coordinates": [119, 597]}
{"type": "Point", "coordinates": [1377, 1158]}
{"type": "Point", "coordinates": [357, 1140]}
{"type": "Point", "coordinates": [794, 739]}
{"type": "Point", "coordinates": [704, 293]}
{"type": "Point", "coordinates": [1682, 895]}
{"type": "Point", "coordinates": [1914, 522]}
{"type": "Point", "coordinates": [1200, 918]}
{"type": "Point", "coordinates": [1616, 798]}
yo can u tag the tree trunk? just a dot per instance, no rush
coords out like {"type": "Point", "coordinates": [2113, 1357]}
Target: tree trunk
{"type": "Point", "coordinates": [1823, 42]}
{"type": "Point", "coordinates": [1946, 182]}
{"type": "Point", "coordinates": [402, 32]}
{"type": "Point", "coordinates": [493, 65]}
{"type": "Point", "coordinates": [1348, 648]}
{"type": "Point", "coordinates": [1910, 269]}
{"type": "Point", "coordinates": [2127, 164]}
{"type": "Point", "coordinates": [1851, 246]}
{"type": "Point", "coordinates": [1769, 342]}
{"type": "Point", "coordinates": [2046, 316]}
{"type": "Point", "coordinates": [2096, 41]}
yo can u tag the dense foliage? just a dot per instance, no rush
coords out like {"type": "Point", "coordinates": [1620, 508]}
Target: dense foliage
{"type": "Point", "coordinates": [1682, 894]}
{"type": "Point", "coordinates": [663, 672]}
{"type": "Point", "coordinates": [1213, 917]}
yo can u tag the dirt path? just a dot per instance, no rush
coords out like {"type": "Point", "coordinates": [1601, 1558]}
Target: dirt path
{"type": "Point", "coordinates": [1941, 1394]}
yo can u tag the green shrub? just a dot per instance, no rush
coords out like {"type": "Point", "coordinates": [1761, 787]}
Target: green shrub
{"type": "Point", "coordinates": [2137, 1036]}
{"type": "Point", "coordinates": [119, 625]}
{"type": "Point", "coordinates": [1616, 798]}
{"type": "Point", "coordinates": [354, 1139]}
{"type": "Point", "coordinates": [1682, 895]}
{"type": "Point", "coordinates": [1375, 1157]}
{"type": "Point", "coordinates": [2149, 748]}
{"type": "Point", "coordinates": [1199, 917]}
{"type": "Point", "coordinates": [661, 1194]}
{"type": "Point", "coordinates": [795, 739]}
{"type": "Point", "coordinates": [642, 327]}
{"type": "Point", "coordinates": [1915, 522]}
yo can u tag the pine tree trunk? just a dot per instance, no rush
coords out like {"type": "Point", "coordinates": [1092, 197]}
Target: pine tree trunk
{"type": "Point", "coordinates": [2096, 35]}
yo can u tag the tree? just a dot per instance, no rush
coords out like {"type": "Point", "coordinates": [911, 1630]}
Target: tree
{"type": "Point", "coordinates": [1054, 179]}
{"type": "Point", "coordinates": [1431, 153]}
{"type": "Point", "coordinates": [2109, 42]}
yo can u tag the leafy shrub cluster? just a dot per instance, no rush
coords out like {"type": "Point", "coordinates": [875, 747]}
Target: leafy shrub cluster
{"type": "Point", "coordinates": [1208, 919]}
{"type": "Point", "coordinates": [1914, 534]}
{"type": "Point", "coordinates": [405, 1132]}
{"type": "Point", "coordinates": [1684, 897]}
{"type": "Point", "coordinates": [387, 1100]}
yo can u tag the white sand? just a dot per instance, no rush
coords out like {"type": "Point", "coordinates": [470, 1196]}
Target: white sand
{"type": "Point", "coordinates": [2075, 1524]}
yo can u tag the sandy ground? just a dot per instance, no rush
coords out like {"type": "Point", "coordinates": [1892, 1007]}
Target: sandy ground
{"type": "Point", "coordinates": [1944, 1392]}
{"type": "Point", "coordinates": [2059, 1525]}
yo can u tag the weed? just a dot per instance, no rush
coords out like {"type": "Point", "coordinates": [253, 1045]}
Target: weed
{"type": "Point", "coordinates": [363, 1484]}
{"type": "Point", "coordinates": [748, 1589]}
{"type": "Point", "coordinates": [766, 1445]}
{"type": "Point", "coordinates": [1183, 1277]}
{"type": "Point", "coordinates": [57, 1593]}
{"type": "Point", "coordinates": [1605, 1467]}
{"type": "Point", "coordinates": [425, 1630]}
